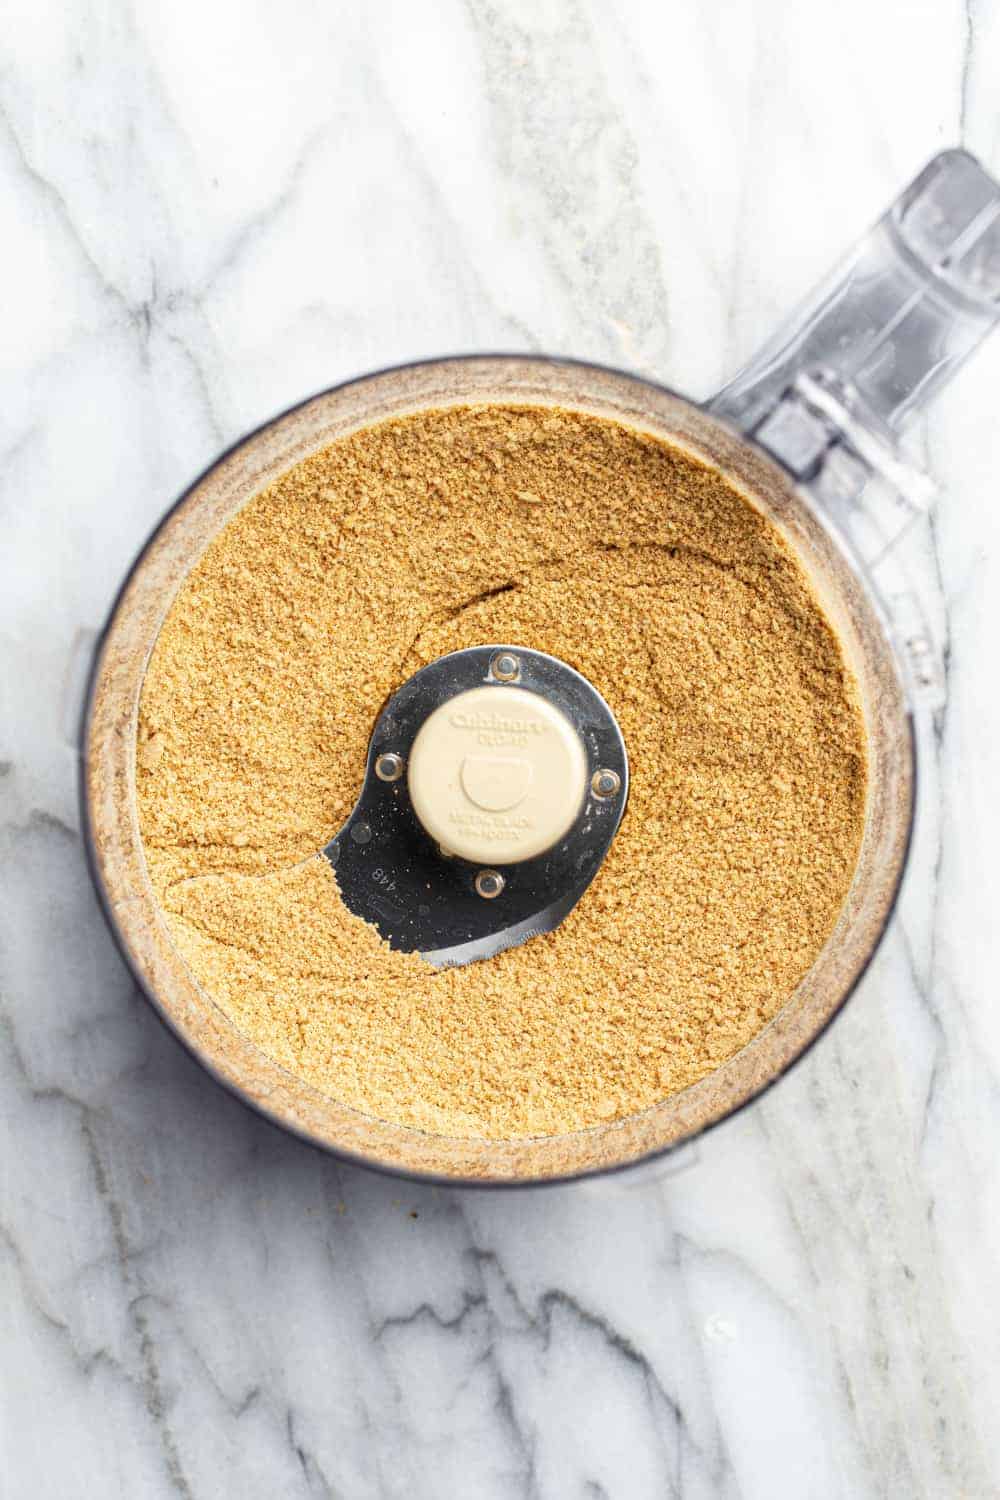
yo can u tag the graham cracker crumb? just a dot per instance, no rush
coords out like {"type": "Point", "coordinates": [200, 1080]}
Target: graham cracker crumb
{"type": "Point", "coordinates": [647, 572]}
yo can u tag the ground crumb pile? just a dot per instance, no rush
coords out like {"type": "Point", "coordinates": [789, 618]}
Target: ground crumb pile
{"type": "Point", "coordinates": [574, 535]}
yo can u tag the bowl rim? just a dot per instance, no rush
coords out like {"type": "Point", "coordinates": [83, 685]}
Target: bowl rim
{"type": "Point", "coordinates": [340, 1152]}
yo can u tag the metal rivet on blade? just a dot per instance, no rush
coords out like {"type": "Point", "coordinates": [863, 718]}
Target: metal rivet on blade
{"type": "Point", "coordinates": [389, 766]}
{"type": "Point", "coordinates": [605, 784]}
{"type": "Point", "coordinates": [489, 883]}
{"type": "Point", "coordinates": [505, 667]}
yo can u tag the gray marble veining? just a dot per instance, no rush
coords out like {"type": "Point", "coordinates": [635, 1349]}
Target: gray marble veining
{"type": "Point", "coordinates": [212, 211]}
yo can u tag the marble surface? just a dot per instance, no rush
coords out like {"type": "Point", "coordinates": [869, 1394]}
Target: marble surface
{"type": "Point", "coordinates": [210, 211]}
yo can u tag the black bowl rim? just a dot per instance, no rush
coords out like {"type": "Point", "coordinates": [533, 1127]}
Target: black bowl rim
{"type": "Point", "coordinates": [339, 1153]}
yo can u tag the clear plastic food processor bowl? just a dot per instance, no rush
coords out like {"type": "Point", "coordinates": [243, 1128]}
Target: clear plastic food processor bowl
{"type": "Point", "coordinates": [809, 433]}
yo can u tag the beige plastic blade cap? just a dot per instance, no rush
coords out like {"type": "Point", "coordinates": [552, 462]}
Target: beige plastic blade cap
{"type": "Point", "coordinates": [497, 775]}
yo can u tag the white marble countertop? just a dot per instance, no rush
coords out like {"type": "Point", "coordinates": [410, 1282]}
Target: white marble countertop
{"type": "Point", "coordinates": [211, 211]}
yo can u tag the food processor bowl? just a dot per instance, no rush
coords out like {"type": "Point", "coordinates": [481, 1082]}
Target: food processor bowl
{"type": "Point", "coordinates": [808, 442]}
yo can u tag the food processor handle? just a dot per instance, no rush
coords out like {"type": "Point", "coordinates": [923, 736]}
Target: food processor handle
{"type": "Point", "coordinates": [878, 340]}
{"type": "Point", "coordinates": [829, 395]}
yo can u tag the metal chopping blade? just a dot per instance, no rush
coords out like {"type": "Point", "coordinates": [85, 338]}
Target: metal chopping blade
{"type": "Point", "coordinates": [450, 910]}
